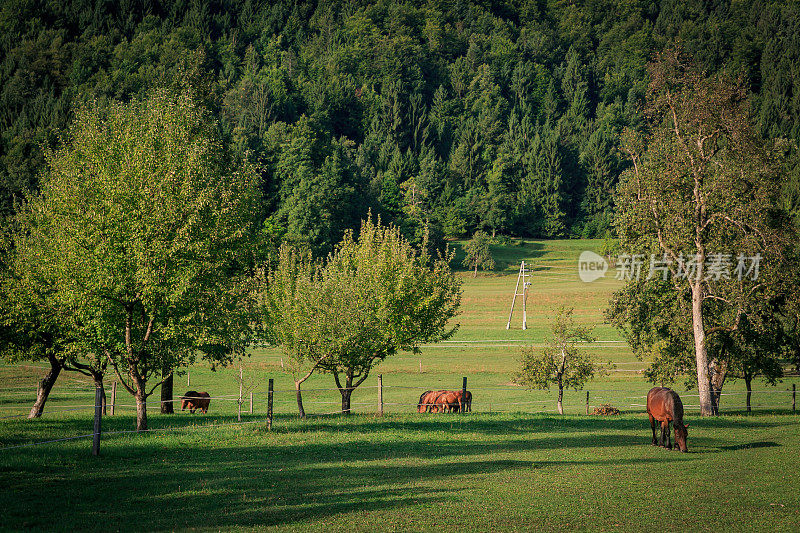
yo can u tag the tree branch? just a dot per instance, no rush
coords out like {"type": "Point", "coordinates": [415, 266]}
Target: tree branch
{"type": "Point", "coordinates": [119, 375]}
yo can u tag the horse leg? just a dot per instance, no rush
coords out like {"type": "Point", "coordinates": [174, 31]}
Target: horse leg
{"type": "Point", "coordinates": [653, 427]}
{"type": "Point", "coordinates": [665, 432]}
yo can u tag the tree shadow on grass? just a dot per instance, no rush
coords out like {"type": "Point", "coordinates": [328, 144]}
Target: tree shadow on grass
{"type": "Point", "coordinates": [22, 431]}
{"type": "Point", "coordinates": [238, 489]}
{"type": "Point", "coordinates": [746, 446]}
{"type": "Point", "coordinates": [155, 483]}
{"type": "Point", "coordinates": [505, 255]}
{"type": "Point", "coordinates": [504, 423]}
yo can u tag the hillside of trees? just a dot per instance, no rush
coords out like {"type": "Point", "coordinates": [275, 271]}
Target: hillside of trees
{"type": "Point", "coordinates": [495, 116]}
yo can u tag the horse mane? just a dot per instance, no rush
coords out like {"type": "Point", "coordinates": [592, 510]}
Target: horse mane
{"type": "Point", "coordinates": [677, 406]}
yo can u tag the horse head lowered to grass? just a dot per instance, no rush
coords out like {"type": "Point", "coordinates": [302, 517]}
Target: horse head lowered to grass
{"type": "Point", "coordinates": [665, 405]}
{"type": "Point", "coordinates": [194, 400]}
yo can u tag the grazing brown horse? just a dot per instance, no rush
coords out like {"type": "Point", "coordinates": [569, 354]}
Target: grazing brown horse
{"type": "Point", "coordinates": [195, 400]}
{"type": "Point", "coordinates": [444, 401]}
{"type": "Point", "coordinates": [423, 406]}
{"type": "Point", "coordinates": [665, 405]}
{"type": "Point", "coordinates": [448, 401]}
{"type": "Point", "coordinates": [427, 401]}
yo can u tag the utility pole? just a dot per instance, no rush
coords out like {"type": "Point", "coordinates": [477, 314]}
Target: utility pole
{"type": "Point", "coordinates": [523, 273]}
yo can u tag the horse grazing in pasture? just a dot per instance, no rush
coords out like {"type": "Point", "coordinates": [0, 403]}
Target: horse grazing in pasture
{"type": "Point", "coordinates": [428, 401]}
{"type": "Point", "coordinates": [423, 406]}
{"type": "Point", "coordinates": [195, 400]}
{"type": "Point", "coordinates": [448, 401]}
{"type": "Point", "coordinates": [444, 401]}
{"type": "Point", "coordinates": [665, 405]}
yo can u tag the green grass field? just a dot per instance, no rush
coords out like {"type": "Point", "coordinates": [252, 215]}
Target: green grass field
{"type": "Point", "coordinates": [512, 464]}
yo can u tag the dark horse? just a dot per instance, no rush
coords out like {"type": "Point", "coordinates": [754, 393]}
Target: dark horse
{"type": "Point", "coordinates": [665, 405]}
{"type": "Point", "coordinates": [195, 400]}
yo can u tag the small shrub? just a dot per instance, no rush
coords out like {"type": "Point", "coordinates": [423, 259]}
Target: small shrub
{"type": "Point", "coordinates": [605, 410]}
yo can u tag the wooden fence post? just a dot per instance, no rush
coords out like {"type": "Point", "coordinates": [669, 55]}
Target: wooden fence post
{"type": "Point", "coordinates": [113, 397]}
{"type": "Point", "coordinates": [187, 377]}
{"type": "Point", "coordinates": [269, 404]}
{"type": "Point", "coordinates": [251, 403]}
{"type": "Point", "coordinates": [464, 395]}
{"type": "Point", "coordinates": [794, 392]}
{"type": "Point", "coordinates": [380, 393]}
{"type": "Point", "coordinates": [587, 402]}
{"type": "Point", "coordinates": [239, 402]}
{"type": "Point", "coordinates": [98, 413]}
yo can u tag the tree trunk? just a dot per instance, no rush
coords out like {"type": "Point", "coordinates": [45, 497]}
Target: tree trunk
{"type": "Point", "coordinates": [141, 410]}
{"type": "Point", "coordinates": [346, 393]}
{"type": "Point", "coordinates": [701, 354]}
{"type": "Point", "coordinates": [299, 399]}
{"type": "Point", "coordinates": [167, 406]}
{"type": "Point", "coordinates": [560, 396]}
{"type": "Point", "coordinates": [45, 386]}
{"type": "Point", "coordinates": [475, 273]}
{"type": "Point", "coordinates": [347, 390]}
{"type": "Point", "coordinates": [98, 384]}
{"type": "Point", "coordinates": [718, 371]}
{"type": "Point", "coordinates": [748, 381]}
{"type": "Point", "coordinates": [140, 395]}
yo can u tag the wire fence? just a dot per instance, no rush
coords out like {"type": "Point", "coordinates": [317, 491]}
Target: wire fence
{"type": "Point", "coordinates": [364, 399]}
{"type": "Point", "coordinates": [259, 406]}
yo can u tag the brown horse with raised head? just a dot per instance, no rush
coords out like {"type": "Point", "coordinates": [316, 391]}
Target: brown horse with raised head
{"type": "Point", "coordinates": [665, 405]}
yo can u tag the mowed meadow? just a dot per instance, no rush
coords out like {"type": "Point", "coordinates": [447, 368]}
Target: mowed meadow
{"type": "Point", "coordinates": [511, 464]}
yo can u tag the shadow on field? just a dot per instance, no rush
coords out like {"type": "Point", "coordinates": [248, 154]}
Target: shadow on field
{"type": "Point", "coordinates": [747, 446]}
{"type": "Point", "coordinates": [503, 254]}
{"type": "Point", "coordinates": [319, 469]}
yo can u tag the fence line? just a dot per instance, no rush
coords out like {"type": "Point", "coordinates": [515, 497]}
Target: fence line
{"type": "Point", "coordinates": [234, 397]}
{"type": "Point", "coordinates": [124, 431]}
{"type": "Point", "coordinates": [568, 403]}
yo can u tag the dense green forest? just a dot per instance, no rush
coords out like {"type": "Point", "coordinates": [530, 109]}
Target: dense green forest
{"type": "Point", "coordinates": [502, 116]}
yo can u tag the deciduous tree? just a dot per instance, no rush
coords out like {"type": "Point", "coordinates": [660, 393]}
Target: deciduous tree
{"type": "Point", "coordinates": [562, 362]}
{"type": "Point", "coordinates": [477, 254]}
{"type": "Point", "coordinates": [140, 231]}
{"type": "Point", "coordinates": [703, 186]}
{"type": "Point", "coordinates": [290, 305]}
{"type": "Point", "coordinates": [380, 296]}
